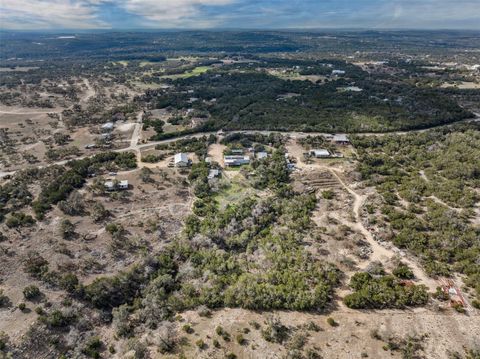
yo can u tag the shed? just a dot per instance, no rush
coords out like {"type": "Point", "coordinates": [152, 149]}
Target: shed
{"type": "Point", "coordinates": [341, 139]}
{"type": "Point", "coordinates": [181, 160]}
{"type": "Point", "coordinates": [320, 153]}
{"type": "Point", "coordinates": [261, 155]}
{"type": "Point", "coordinates": [213, 173]}
{"type": "Point", "coordinates": [107, 126]}
{"type": "Point", "coordinates": [236, 160]}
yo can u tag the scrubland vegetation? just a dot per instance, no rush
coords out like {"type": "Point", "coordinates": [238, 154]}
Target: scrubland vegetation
{"type": "Point", "coordinates": [429, 183]}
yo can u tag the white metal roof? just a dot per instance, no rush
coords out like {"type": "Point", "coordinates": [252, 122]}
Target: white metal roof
{"type": "Point", "coordinates": [321, 152]}
{"type": "Point", "coordinates": [341, 137]}
{"type": "Point", "coordinates": [181, 157]}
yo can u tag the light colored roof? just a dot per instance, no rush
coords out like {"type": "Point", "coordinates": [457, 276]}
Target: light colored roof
{"type": "Point", "coordinates": [109, 184]}
{"type": "Point", "coordinates": [261, 155]}
{"type": "Point", "coordinates": [213, 173]}
{"type": "Point", "coordinates": [321, 152]}
{"type": "Point", "coordinates": [123, 183]}
{"type": "Point", "coordinates": [181, 157]}
{"type": "Point", "coordinates": [341, 137]}
{"type": "Point", "coordinates": [236, 157]}
{"type": "Point", "coordinates": [107, 126]}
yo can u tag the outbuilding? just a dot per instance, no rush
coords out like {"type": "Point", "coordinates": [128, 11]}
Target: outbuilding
{"type": "Point", "coordinates": [213, 173]}
{"type": "Point", "coordinates": [320, 153]}
{"type": "Point", "coordinates": [261, 155]}
{"type": "Point", "coordinates": [341, 139]}
{"type": "Point", "coordinates": [116, 185]}
{"type": "Point", "coordinates": [231, 161]}
{"type": "Point", "coordinates": [181, 160]}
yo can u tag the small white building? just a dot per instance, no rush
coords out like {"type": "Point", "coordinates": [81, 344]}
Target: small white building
{"type": "Point", "coordinates": [107, 126]}
{"type": "Point", "coordinates": [231, 161]}
{"type": "Point", "coordinates": [181, 160]}
{"type": "Point", "coordinates": [341, 139]}
{"type": "Point", "coordinates": [115, 186]}
{"type": "Point", "coordinates": [261, 155]}
{"type": "Point", "coordinates": [338, 72]}
{"type": "Point", "coordinates": [320, 153]}
{"type": "Point", "coordinates": [213, 173]}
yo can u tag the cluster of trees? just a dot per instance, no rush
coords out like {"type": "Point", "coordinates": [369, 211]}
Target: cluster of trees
{"type": "Point", "coordinates": [197, 145]}
{"type": "Point", "coordinates": [57, 183]}
{"type": "Point", "coordinates": [271, 173]}
{"type": "Point", "coordinates": [437, 173]}
{"type": "Point", "coordinates": [248, 99]}
{"type": "Point", "coordinates": [385, 291]}
{"type": "Point", "coordinates": [255, 140]}
{"type": "Point", "coordinates": [214, 262]}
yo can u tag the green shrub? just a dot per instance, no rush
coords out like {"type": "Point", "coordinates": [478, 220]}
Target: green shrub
{"type": "Point", "coordinates": [403, 271]}
{"type": "Point", "coordinates": [200, 344]}
{"type": "Point", "coordinates": [92, 347]}
{"type": "Point", "coordinates": [31, 292]}
{"type": "Point", "coordinates": [4, 300]}
{"type": "Point", "coordinates": [332, 322]}
{"type": "Point", "coordinates": [19, 219]}
{"type": "Point", "coordinates": [240, 339]}
{"type": "Point", "coordinates": [383, 292]}
{"type": "Point", "coordinates": [187, 328]}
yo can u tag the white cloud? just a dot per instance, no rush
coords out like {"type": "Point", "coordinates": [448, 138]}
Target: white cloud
{"type": "Point", "coordinates": [171, 13]}
{"type": "Point", "coordinates": [49, 14]}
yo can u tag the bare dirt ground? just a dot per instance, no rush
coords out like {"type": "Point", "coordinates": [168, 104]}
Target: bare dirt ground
{"type": "Point", "coordinates": [215, 151]}
{"type": "Point", "coordinates": [380, 252]}
{"type": "Point", "coordinates": [151, 213]}
{"type": "Point", "coordinates": [351, 338]}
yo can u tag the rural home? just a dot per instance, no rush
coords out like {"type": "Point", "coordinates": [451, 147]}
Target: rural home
{"type": "Point", "coordinates": [213, 173]}
{"type": "Point", "coordinates": [181, 160]}
{"type": "Point", "coordinates": [341, 139]}
{"type": "Point", "coordinates": [320, 153]}
{"type": "Point", "coordinates": [116, 185]}
{"type": "Point", "coordinates": [236, 160]}
{"type": "Point", "coordinates": [261, 155]}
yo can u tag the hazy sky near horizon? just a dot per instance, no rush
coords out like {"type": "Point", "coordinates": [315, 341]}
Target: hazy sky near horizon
{"type": "Point", "coordinates": [257, 14]}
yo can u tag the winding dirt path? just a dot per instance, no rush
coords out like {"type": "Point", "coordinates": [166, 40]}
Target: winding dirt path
{"type": "Point", "coordinates": [379, 252]}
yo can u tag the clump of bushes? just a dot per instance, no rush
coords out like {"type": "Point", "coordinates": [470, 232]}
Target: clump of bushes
{"type": "Point", "coordinates": [403, 271]}
{"type": "Point", "coordinates": [383, 292]}
{"type": "Point", "coordinates": [31, 292]}
{"type": "Point", "coordinates": [19, 219]}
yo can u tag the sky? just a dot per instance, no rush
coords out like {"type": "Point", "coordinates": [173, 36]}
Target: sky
{"type": "Point", "coordinates": [249, 14]}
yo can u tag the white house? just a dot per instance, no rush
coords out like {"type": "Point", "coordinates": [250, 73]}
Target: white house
{"type": "Point", "coordinates": [213, 173]}
{"type": "Point", "coordinates": [114, 186]}
{"type": "Point", "coordinates": [236, 160]}
{"type": "Point", "coordinates": [338, 72]}
{"type": "Point", "coordinates": [181, 160]}
{"type": "Point", "coordinates": [320, 153]}
{"type": "Point", "coordinates": [107, 126]}
{"type": "Point", "coordinates": [341, 139]}
{"type": "Point", "coordinates": [261, 155]}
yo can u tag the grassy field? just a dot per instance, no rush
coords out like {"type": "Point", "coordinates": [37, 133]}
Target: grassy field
{"type": "Point", "coordinates": [195, 72]}
{"type": "Point", "coordinates": [237, 190]}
